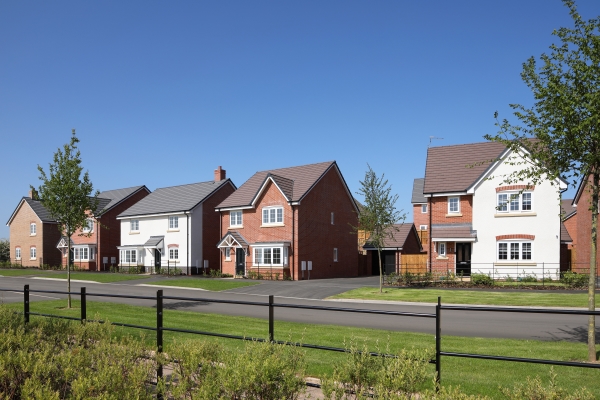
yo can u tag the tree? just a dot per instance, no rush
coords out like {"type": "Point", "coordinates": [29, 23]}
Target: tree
{"type": "Point", "coordinates": [67, 194]}
{"type": "Point", "coordinates": [4, 250]}
{"type": "Point", "coordinates": [564, 123]}
{"type": "Point", "coordinates": [378, 214]}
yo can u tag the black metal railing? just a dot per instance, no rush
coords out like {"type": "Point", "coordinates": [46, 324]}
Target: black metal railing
{"type": "Point", "coordinates": [271, 305]}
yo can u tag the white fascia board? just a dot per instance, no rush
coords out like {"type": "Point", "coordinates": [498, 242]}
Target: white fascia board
{"type": "Point", "coordinates": [449, 194]}
{"type": "Point", "coordinates": [233, 208]}
{"type": "Point", "coordinates": [155, 215]}
{"type": "Point", "coordinates": [469, 239]}
{"type": "Point", "coordinates": [488, 171]}
{"type": "Point", "coordinates": [269, 178]}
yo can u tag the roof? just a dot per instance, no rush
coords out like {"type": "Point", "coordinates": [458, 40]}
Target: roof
{"type": "Point", "coordinates": [456, 168]}
{"type": "Point", "coordinates": [400, 233]}
{"type": "Point", "coordinates": [294, 183]}
{"type": "Point", "coordinates": [174, 199]}
{"type": "Point", "coordinates": [37, 207]}
{"type": "Point", "coordinates": [564, 234]}
{"type": "Point", "coordinates": [232, 238]}
{"type": "Point", "coordinates": [417, 191]}
{"type": "Point", "coordinates": [110, 198]}
{"type": "Point", "coordinates": [452, 231]}
{"type": "Point", "coordinates": [153, 241]}
{"type": "Point", "coordinates": [567, 209]}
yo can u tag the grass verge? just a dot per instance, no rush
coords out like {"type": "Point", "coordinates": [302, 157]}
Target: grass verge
{"type": "Point", "coordinates": [214, 285]}
{"type": "Point", "coordinates": [23, 272]}
{"type": "Point", "coordinates": [457, 296]}
{"type": "Point", "coordinates": [100, 277]}
{"type": "Point", "coordinates": [474, 376]}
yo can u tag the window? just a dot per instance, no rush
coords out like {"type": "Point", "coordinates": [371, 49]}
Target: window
{"type": "Point", "coordinates": [515, 202]}
{"type": "Point", "coordinates": [453, 205]}
{"type": "Point", "coordinates": [271, 256]}
{"type": "Point", "coordinates": [423, 227]}
{"type": "Point", "coordinates": [128, 256]}
{"type": "Point", "coordinates": [272, 215]}
{"type": "Point", "coordinates": [442, 249]}
{"type": "Point", "coordinates": [32, 229]}
{"type": "Point", "coordinates": [332, 219]}
{"type": "Point", "coordinates": [88, 226]}
{"type": "Point", "coordinates": [228, 253]}
{"type": "Point", "coordinates": [335, 255]}
{"type": "Point", "coordinates": [515, 250]}
{"type": "Point", "coordinates": [235, 218]}
{"type": "Point", "coordinates": [32, 253]}
{"type": "Point", "coordinates": [83, 253]}
{"type": "Point", "coordinates": [18, 253]}
{"type": "Point", "coordinates": [424, 208]}
{"type": "Point", "coordinates": [173, 253]}
{"type": "Point", "coordinates": [173, 222]}
{"type": "Point", "coordinates": [134, 225]}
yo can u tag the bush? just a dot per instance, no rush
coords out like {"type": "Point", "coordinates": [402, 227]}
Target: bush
{"type": "Point", "coordinates": [575, 280]}
{"type": "Point", "coordinates": [482, 280]}
{"type": "Point", "coordinates": [533, 388]}
{"type": "Point", "coordinates": [528, 278]}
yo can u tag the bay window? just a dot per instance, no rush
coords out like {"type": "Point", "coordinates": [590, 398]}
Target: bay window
{"type": "Point", "coordinates": [271, 256]}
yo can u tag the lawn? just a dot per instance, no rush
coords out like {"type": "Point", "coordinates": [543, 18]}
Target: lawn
{"type": "Point", "coordinates": [458, 296]}
{"type": "Point", "coordinates": [474, 376]}
{"type": "Point", "coordinates": [23, 272]}
{"type": "Point", "coordinates": [100, 277]}
{"type": "Point", "coordinates": [215, 285]}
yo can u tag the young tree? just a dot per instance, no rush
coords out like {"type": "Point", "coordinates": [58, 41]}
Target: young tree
{"type": "Point", "coordinates": [564, 123]}
{"type": "Point", "coordinates": [4, 250]}
{"type": "Point", "coordinates": [378, 214]}
{"type": "Point", "coordinates": [67, 194]}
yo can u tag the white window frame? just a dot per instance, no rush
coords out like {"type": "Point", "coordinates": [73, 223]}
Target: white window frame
{"type": "Point", "coordinates": [457, 211]}
{"type": "Point", "coordinates": [236, 218]}
{"type": "Point", "coordinates": [17, 253]}
{"type": "Point", "coordinates": [272, 215]}
{"type": "Point", "coordinates": [422, 227]}
{"type": "Point", "coordinates": [134, 225]}
{"type": "Point", "coordinates": [88, 226]}
{"type": "Point", "coordinates": [128, 256]}
{"type": "Point", "coordinates": [507, 201]}
{"type": "Point", "coordinates": [32, 253]}
{"type": "Point", "coordinates": [424, 208]}
{"type": "Point", "coordinates": [258, 256]}
{"type": "Point", "coordinates": [227, 253]}
{"type": "Point", "coordinates": [441, 249]}
{"type": "Point", "coordinates": [84, 253]}
{"type": "Point", "coordinates": [174, 253]}
{"type": "Point", "coordinates": [32, 229]}
{"type": "Point", "coordinates": [173, 223]}
{"type": "Point", "coordinates": [520, 246]}
{"type": "Point", "coordinates": [335, 254]}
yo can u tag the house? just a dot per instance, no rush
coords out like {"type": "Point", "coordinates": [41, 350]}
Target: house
{"type": "Point", "coordinates": [33, 234]}
{"type": "Point", "coordinates": [94, 247]}
{"type": "Point", "coordinates": [568, 243]}
{"type": "Point", "coordinates": [401, 244]}
{"type": "Point", "coordinates": [420, 210]}
{"type": "Point", "coordinates": [175, 227]}
{"type": "Point", "coordinates": [291, 222]}
{"type": "Point", "coordinates": [478, 224]}
{"type": "Point", "coordinates": [583, 228]}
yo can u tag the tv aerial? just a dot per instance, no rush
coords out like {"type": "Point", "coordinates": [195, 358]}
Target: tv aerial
{"type": "Point", "coordinates": [431, 138]}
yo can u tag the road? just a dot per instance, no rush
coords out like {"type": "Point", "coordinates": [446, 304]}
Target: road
{"type": "Point", "coordinates": [312, 293]}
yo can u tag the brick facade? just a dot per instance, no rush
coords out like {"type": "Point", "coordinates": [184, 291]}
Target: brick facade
{"type": "Point", "coordinates": [583, 233]}
{"type": "Point", "coordinates": [440, 215]}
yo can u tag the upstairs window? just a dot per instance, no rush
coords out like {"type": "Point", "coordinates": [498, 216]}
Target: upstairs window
{"type": "Point", "coordinates": [235, 218]}
{"type": "Point", "coordinates": [32, 229]}
{"type": "Point", "coordinates": [335, 255]}
{"type": "Point", "coordinates": [515, 202]}
{"type": "Point", "coordinates": [332, 218]}
{"type": "Point", "coordinates": [134, 225]}
{"type": "Point", "coordinates": [173, 222]}
{"type": "Point", "coordinates": [272, 215]}
{"type": "Point", "coordinates": [453, 205]}
{"type": "Point", "coordinates": [424, 208]}
{"type": "Point", "coordinates": [88, 226]}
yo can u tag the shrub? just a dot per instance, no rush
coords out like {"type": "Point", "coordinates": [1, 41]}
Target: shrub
{"type": "Point", "coordinates": [482, 280]}
{"type": "Point", "coordinates": [533, 388]}
{"type": "Point", "coordinates": [529, 278]}
{"type": "Point", "coordinates": [575, 280]}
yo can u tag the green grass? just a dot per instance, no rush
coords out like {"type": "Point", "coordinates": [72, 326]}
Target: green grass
{"type": "Point", "coordinates": [474, 376]}
{"type": "Point", "coordinates": [101, 277]}
{"type": "Point", "coordinates": [215, 285]}
{"type": "Point", "coordinates": [457, 296]}
{"type": "Point", "coordinates": [23, 272]}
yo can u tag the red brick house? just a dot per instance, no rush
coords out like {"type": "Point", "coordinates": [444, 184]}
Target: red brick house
{"type": "Point", "coordinates": [568, 243]}
{"type": "Point", "coordinates": [404, 241]}
{"type": "Point", "coordinates": [94, 247]}
{"type": "Point", "coordinates": [583, 230]}
{"type": "Point", "coordinates": [282, 220]}
{"type": "Point", "coordinates": [33, 234]}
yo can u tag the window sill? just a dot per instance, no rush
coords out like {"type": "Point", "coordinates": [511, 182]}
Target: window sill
{"type": "Point", "coordinates": [17, 258]}
{"type": "Point", "coordinates": [515, 264]}
{"type": "Point", "coordinates": [450, 215]}
{"type": "Point", "coordinates": [236, 227]}
{"type": "Point", "coordinates": [524, 214]}
{"type": "Point", "coordinates": [173, 261]}
{"type": "Point", "coordinates": [269, 266]}
{"type": "Point", "coordinates": [441, 258]}
{"type": "Point", "coordinates": [172, 230]}
{"type": "Point", "coordinates": [33, 259]}
{"type": "Point", "coordinates": [33, 234]}
{"type": "Point", "coordinates": [271, 225]}
{"type": "Point", "coordinates": [134, 232]}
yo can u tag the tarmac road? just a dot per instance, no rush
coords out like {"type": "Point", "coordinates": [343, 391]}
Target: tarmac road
{"type": "Point", "coordinates": [312, 293]}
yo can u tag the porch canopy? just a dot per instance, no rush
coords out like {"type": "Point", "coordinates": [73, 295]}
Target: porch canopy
{"type": "Point", "coordinates": [233, 239]}
{"type": "Point", "coordinates": [453, 233]}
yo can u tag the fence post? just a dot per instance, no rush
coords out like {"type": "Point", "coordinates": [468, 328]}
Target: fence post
{"type": "Point", "coordinates": [271, 325]}
{"type": "Point", "coordinates": [83, 306]}
{"type": "Point", "coordinates": [26, 303]}
{"type": "Point", "coordinates": [438, 344]}
{"type": "Point", "coordinates": [159, 337]}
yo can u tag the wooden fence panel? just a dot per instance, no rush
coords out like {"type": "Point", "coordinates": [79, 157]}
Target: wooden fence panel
{"type": "Point", "coordinates": [414, 263]}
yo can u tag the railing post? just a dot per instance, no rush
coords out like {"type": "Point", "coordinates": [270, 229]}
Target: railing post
{"type": "Point", "coordinates": [438, 344]}
{"type": "Point", "coordinates": [159, 337]}
{"type": "Point", "coordinates": [26, 303]}
{"type": "Point", "coordinates": [83, 306]}
{"type": "Point", "coordinates": [271, 325]}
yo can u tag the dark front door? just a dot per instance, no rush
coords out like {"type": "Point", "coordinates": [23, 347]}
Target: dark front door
{"type": "Point", "coordinates": [240, 262]}
{"type": "Point", "coordinates": [157, 256]}
{"type": "Point", "coordinates": [463, 259]}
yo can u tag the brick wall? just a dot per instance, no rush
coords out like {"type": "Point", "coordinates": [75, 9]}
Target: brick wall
{"type": "Point", "coordinates": [439, 209]}
{"type": "Point", "coordinates": [211, 233]}
{"type": "Point", "coordinates": [584, 233]}
{"type": "Point", "coordinates": [420, 218]}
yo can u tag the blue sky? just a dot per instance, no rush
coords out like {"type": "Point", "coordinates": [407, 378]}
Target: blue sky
{"type": "Point", "coordinates": [161, 93]}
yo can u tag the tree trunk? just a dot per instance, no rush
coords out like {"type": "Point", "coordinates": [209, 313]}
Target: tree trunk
{"type": "Point", "coordinates": [69, 270]}
{"type": "Point", "coordinates": [592, 278]}
{"type": "Point", "coordinates": [380, 271]}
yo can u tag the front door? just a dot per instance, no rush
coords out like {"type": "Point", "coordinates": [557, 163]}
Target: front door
{"type": "Point", "coordinates": [463, 259]}
{"type": "Point", "coordinates": [240, 262]}
{"type": "Point", "coordinates": [157, 255]}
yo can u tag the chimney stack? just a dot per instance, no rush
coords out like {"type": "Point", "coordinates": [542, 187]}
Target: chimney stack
{"type": "Point", "coordinates": [219, 174]}
{"type": "Point", "coordinates": [32, 194]}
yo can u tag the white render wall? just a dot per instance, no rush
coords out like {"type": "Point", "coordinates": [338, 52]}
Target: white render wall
{"type": "Point", "coordinates": [543, 222]}
{"type": "Point", "coordinates": [156, 226]}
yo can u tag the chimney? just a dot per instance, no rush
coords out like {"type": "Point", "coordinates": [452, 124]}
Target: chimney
{"type": "Point", "coordinates": [32, 194]}
{"type": "Point", "coordinates": [219, 174]}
